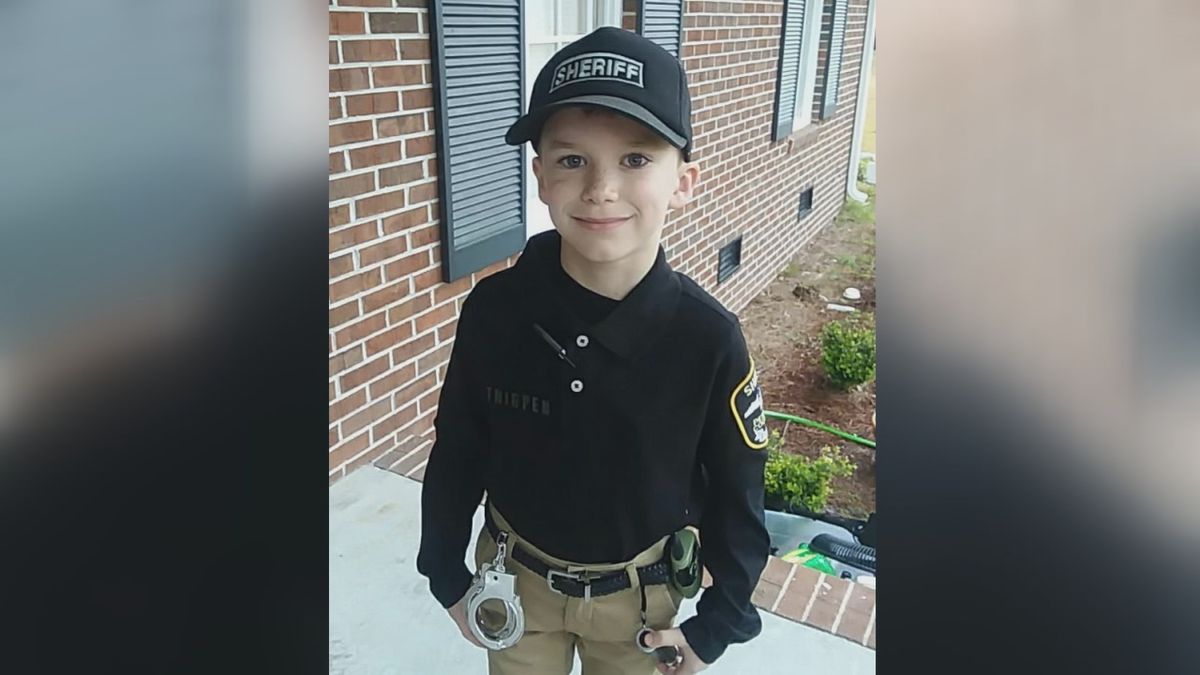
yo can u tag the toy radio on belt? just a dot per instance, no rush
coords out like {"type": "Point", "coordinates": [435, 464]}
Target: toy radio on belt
{"type": "Point", "coordinates": [492, 582]}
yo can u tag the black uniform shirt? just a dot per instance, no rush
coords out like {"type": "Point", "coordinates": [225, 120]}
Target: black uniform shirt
{"type": "Point", "coordinates": [655, 423]}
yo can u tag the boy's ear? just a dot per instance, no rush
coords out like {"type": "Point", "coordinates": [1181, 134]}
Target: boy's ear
{"type": "Point", "coordinates": [688, 178]}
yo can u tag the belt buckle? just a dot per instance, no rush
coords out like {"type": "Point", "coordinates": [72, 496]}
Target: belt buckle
{"type": "Point", "coordinates": [578, 577]}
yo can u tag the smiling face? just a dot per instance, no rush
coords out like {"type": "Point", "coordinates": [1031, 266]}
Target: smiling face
{"type": "Point", "coordinates": [609, 183]}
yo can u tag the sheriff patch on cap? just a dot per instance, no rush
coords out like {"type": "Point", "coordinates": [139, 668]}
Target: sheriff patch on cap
{"type": "Point", "coordinates": [598, 66]}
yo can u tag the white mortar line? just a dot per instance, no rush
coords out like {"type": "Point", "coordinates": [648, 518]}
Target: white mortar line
{"type": "Point", "coordinates": [812, 598]}
{"type": "Point", "coordinates": [786, 582]}
{"type": "Point", "coordinates": [870, 626]}
{"type": "Point", "coordinates": [842, 608]}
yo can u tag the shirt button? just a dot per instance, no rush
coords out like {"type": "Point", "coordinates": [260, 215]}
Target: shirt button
{"type": "Point", "coordinates": [576, 386]}
{"type": "Point", "coordinates": [582, 341]}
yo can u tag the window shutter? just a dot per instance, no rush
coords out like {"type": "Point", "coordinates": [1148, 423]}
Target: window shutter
{"type": "Point", "coordinates": [789, 67]}
{"type": "Point", "coordinates": [833, 68]}
{"type": "Point", "coordinates": [478, 48]}
{"type": "Point", "coordinates": [661, 22]}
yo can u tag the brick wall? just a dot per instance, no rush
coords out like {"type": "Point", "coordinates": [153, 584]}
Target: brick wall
{"type": "Point", "coordinates": [391, 319]}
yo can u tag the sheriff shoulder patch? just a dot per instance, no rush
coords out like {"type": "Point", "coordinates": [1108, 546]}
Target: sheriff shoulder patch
{"type": "Point", "coordinates": [746, 404]}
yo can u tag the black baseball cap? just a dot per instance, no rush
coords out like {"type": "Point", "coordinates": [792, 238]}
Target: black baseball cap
{"type": "Point", "coordinates": [615, 69]}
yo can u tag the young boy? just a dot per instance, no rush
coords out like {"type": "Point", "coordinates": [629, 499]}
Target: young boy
{"type": "Point", "coordinates": [601, 400]}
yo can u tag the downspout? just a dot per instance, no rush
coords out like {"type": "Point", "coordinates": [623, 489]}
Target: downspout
{"type": "Point", "coordinates": [860, 106]}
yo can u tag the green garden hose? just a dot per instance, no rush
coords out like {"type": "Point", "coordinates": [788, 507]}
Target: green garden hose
{"type": "Point", "coordinates": [823, 427]}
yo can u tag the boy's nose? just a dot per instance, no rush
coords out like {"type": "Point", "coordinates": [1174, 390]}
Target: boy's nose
{"type": "Point", "coordinates": [601, 186]}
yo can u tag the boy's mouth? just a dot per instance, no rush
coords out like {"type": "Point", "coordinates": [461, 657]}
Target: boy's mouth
{"type": "Point", "coordinates": [600, 223]}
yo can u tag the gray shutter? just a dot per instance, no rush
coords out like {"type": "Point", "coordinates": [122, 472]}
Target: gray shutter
{"type": "Point", "coordinates": [478, 49]}
{"type": "Point", "coordinates": [789, 67]}
{"type": "Point", "coordinates": [833, 68]}
{"type": "Point", "coordinates": [661, 22]}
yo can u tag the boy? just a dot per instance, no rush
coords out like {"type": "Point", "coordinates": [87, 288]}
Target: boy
{"type": "Point", "coordinates": [599, 399]}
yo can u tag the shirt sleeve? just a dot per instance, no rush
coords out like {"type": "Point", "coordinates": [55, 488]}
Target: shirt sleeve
{"type": "Point", "coordinates": [453, 485]}
{"type": "Point", "coordinates": [733, 534]}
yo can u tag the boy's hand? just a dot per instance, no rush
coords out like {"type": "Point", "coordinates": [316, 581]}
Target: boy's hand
{"type": "Point", "coordinates": [673, 636]}
{"type": "Point", "coordinates": [458, 612]}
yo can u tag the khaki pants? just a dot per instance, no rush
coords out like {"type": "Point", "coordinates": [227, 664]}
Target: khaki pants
{"type": "Point", "coordinates": [602, 629]}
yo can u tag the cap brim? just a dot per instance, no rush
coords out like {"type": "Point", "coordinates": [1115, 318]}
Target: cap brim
{"type": "Point", "coordinates": [527, 127]}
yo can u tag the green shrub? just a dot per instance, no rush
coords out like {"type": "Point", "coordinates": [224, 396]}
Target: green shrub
{"type": "Point", "coordinates": [794, 480]}
{"type": "Point", "coordinates": [848, 353]}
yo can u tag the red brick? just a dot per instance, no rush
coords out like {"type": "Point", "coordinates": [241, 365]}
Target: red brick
{"type": "Point", "coordinates": [342, 313]}
{"type": "Point", "coordinates": [372, 206]}
{"type": "Point", "coordinates": [388, 248]}
{"type": "Point", "coordinates": [388, 339]}
{"type": "Point", "coordinates": [795, 598]}
{"type": "Point", "coordinates": [393, 292]}
{"type": "Point", "coordinates": [351, 236]}
{"type": "Point", "coordinates": [764, 594]}
{"type": "Point", "coordinates": [414, 49]}
{"type": "Point", "coordinates": [415, 390]}
{"type": "Point", "coordinates": [424, 192]}
{"type": "Point", "coordinates": [343, 361]}
{"type": "Point", "coordinates": [347, 404]}
{"type": "Point", "coordinates": [372, 104]}
{"type": "Point", "coordinates": [404, 124]}
{"type": "Point", "coordinates": [337, 164]}
{"type": "Point", "coordinates": [374, 155]}
{"type": "Point", "coordinates": [394, 421]}
{"type": "Point", "coordinates": [415, 99]}
{"type": "Point", "coordinates": [393, 23]}
{"type": "Point", "coordinates": [857, 615]}
{"type": "Point", "coordinates": [368, 50]}
{"type": "Point", "coordinates": [365, 372]}
{"type": "Point", "coordinates": [423, 236]}
{"type": "Point", "coordinates": [397, 76]}
{"type": "Point", "coordinates": [447, 332]}
{"type": "Point", "coordinates": [405, 312]}
{"type": "Point", "coordinates": [413, 460]}
{"type": "Point", "coordinates": [434, 359]}
{"type": "Point", "coordinates": [367, 416]}
{"type": "Point", "coordinates": [350, 132]}
{"type": "Point", "coordinates": [350, 186]}
{"type": "Point", "coordinates": [390, 383]}
{"type": "Point", "coordinates": [451, 290]}
{"type": "Point", "coordinates": [333, 53]}
{"type": "Point", "coordinates": [426, 280]}
{"type": "Point", "coordinates": [412, 3]}
{"type": "Point", "coordinates": [360, 329]}
{"type": "Point", "coordinates": [348, 79]}
{"type": "Point", "coordinates": [340, 265]}
{"type": "Point", "coordinates": [346, 450]}
{"type": "Point", "coordinates": [339, 215]}
{"type": "Point", "coordinates": [405, 173]}
{"type": "Point", "coordinates": [365, 3]}
{"type": "Point", "coordinates": [420, 146]}
{"type": "Point", "coordinates": [358, 283]}
{"type": "Point", "coordinates": [407, 265]}
{"type": "Point", "coordinates": [418, 474]}
{"type": "Point", "coordinates": [413, 347]}
{"type": "Point", "coordinates": [829, 599]}
{"type": "Point", "coordinates": [432, 318]}
{"type": "Point", "coordinates": [405, 220]}
{"type": "Point", "coordinates": [346, 23]}
{"type": "Point", "coordinates": [334, 437]}
{"type": "Point", "coordinates": [335, 107]}
{"type": "Point", "coordinates": [776, 571]}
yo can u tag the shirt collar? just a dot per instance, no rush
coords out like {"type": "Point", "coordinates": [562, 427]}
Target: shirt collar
{"type": "Point", "coordinates": [634, 324]}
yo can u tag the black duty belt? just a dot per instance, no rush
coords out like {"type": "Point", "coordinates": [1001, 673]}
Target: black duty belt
{"type": "Point", "coordinates": [581, 584]}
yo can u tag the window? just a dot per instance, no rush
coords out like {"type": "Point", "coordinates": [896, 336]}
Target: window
{"type": "Point", "coordinates": [797, 66]}
{"type": "Point", "coordinates": [551, 25]}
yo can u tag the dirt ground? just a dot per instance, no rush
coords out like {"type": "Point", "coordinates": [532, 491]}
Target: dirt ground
{"type": "Point", "coordinates": [783, 329]}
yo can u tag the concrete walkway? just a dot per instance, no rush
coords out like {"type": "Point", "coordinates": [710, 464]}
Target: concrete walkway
{"type": "Point", "coordinates": [383, 621]}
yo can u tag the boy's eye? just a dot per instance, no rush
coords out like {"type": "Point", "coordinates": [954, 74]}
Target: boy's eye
{"type": "Point", "coordinates": [571, 161]}
{"type": "Point", "coordinates": [637, 160]}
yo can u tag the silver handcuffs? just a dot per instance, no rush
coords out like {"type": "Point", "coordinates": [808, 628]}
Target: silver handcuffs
{"type": "Point", "coordinates": [492, 582]}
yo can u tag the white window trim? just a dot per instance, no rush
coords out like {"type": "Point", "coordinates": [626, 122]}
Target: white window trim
{"type": "Point", "coordinates": [601, 13]}
{"type": "Point", "coordinates": [806, 86]}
